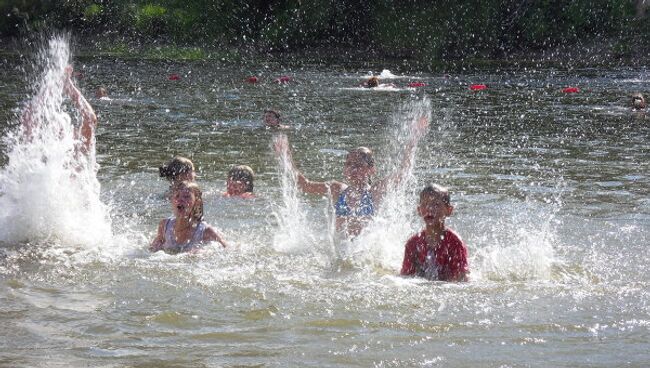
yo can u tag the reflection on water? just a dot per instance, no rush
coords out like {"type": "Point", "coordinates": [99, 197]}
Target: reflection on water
{"type": "Point", "coordinates": [550, 193]}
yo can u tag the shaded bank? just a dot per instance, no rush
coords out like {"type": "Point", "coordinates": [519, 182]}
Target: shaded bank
{"type": "Point", "coordinates": [425, 34]}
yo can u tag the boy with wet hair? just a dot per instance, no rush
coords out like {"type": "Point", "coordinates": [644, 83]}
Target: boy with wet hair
{"type": "Point", "coordinates": [437, 253]}
{"type": "Point", "coordinates": [240, 182]}
{"type": "Point", "coordinates": [272, 120]}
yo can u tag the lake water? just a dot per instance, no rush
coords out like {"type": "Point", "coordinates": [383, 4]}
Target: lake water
{"type": "Point", "coordinates": [551, 194]}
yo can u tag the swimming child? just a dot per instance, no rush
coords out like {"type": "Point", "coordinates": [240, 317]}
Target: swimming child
{"type": "Point", "coordinates": [638, 101]}
{"type": "Point", "coordinates": [178, 169]}
{"type": "Point", "coordinates": [372, 82]}
{"type": "Point", "coordinates": [101, 93]}
{"type": "Point", "coordinates": [272, 120]}
{"type": "Point", "coordinates": [437, 253]}
{"type": "Point", "coordinates": [240, 182]}
{"type": "Point", "coordinates": [357, 199]}
{"type": "Point", "coordinates": [186, 230]}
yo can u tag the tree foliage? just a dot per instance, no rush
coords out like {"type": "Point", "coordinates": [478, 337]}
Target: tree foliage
{"type": "Point", "coordinates": [433, 29]}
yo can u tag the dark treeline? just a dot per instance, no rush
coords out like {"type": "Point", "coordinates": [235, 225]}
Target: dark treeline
{"type": "Point", "coordinates": [446, 29]}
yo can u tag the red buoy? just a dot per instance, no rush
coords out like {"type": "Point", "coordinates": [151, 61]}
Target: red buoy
{"type": "Point", "coordinates": [174, 77]}
{"type": "Point", "coordinates": [283, 79]}
{"type": "Point", "coordinates": [417, 84]}
{"type": "Point", "coordinates": [477, 87]}
{"type": "Point", "coordinates": [252, 79]}
{"type": "Point", "coordinates": [571, 90]}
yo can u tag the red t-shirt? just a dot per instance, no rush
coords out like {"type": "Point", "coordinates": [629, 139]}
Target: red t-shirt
{"type": "Point", "coordinates": [447, 262]}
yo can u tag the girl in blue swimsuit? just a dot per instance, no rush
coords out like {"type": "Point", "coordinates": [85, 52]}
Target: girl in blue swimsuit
{"type": "Point", "coordinates": [186, 230]}
{"type": "Point", "coordinates": [358, 197]}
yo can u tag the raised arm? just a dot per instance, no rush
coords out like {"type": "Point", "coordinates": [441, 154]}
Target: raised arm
{"type": "Point", "coordinates": [418, 129]}
{"type": "Point", "coordinates": [281, 147]}
{"type": "Point", "coordinates": [88, 117]}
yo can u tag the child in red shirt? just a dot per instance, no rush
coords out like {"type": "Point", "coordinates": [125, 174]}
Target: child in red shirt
{"type": "Point", "coordinates": [437, 253]}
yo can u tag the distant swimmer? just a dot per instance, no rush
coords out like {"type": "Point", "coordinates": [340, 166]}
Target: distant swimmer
{"type": "Point", "coordinates": [638, 101]}
{"type": "Point", "coordinates": [356, 200]}
{"type": "Point", "coordinates": [240, 182]}
{"type": "Point", "coordinates": [273, 120]}
{"type": "Point", "coordinates": [101, 92]}
{"type": "Point", "coordinates": [437, 253]}
{"type": "Point", "coordinates": [185, 231]}
{"type": "Point", "coordinates": [373, 82]}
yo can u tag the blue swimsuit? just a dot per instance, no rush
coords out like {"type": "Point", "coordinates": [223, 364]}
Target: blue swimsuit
{"type": "Point", "coordinates": [365, 206]}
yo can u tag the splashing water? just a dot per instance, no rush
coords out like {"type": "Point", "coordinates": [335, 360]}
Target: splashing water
{"type": "Point", "coordinates": [48, 189]}
{"type": "Point", "coordinates": [381, 244]}
{"type": "Point", "coordinates": [387, 74]}
{"type": "Point", "coordinates": [293, 234]}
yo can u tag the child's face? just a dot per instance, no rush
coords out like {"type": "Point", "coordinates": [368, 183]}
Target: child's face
{"type": "Point", "coordinates": [236, 187]}
{"type": "Point", "coordinates": [183, 201]}
{"type": "Point", "coordinates": [356, 169]}
{"type": "Point", "coordinates": [433, 209]}
{"type": "Point", "coordinates": [270, 120]}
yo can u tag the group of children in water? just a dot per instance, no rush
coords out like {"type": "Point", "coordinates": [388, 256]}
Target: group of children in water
{"type": "Point", "coordinates": [436, 253]}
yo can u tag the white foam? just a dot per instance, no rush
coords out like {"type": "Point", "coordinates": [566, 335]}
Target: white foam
{"type": "Point", "coordinates": [50, 191]}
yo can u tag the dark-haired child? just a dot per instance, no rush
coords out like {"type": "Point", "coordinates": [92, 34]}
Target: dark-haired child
{"type": "Point", "coordinates": [178, 169]}
{"type": "Point", "coordinates": [240, 182]}
{"type": "Point", "coordinates": [273, 120]}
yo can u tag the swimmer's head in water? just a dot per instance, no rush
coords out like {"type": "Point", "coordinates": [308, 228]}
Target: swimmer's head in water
{"type": "Point", "coordinates": [101, 92]}
{"type": "Point", "coordinates": [271, 118]}
{"type": "Point", "coordinates": [435, 204]}
{"type": "Point", "coordinates": [638, 101]}
{"type": "Point", "coordinates": [240, 180]}
{"type": "Point", "coordinates": [178, 169]}
{"type": "Point", "coordinates": [359, 165]}
{"type": "Point", "coordinates": [187, 200]}
{"type": "Point", "coordinates": [372, 82]}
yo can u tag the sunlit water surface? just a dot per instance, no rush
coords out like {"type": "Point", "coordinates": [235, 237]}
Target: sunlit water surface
{"type": "Point", "coordinates": [550, 193]}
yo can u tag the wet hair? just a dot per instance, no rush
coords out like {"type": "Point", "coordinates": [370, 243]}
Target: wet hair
{"type": "Point", "coordinates": [638, 101]}
{"type": "Point", "coordinates": [365, 154]}
{"type": "Point", "coordinates": [436, 191]}
{"type": "Point", "coordinates": [372, 82]}
{"type": "Point", "coordinates": [197, 209]}
{"type": "Point", "coordinates": [273, 112]}
{"type": "Point", "coordinates": [176, 167]}
{"type": "Point", "coordinates": [101, 92]}
{"type": "Point", "coordinates": [242, 173]}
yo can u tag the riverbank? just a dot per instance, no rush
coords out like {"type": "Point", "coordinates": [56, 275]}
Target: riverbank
{"type": "Point", "coordinates": [605, 53]}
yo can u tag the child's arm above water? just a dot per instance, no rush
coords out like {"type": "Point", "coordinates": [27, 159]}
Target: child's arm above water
{"type": "Point", "coordinates": [281, 147]}
{"type": "Point", "coordinates": [158, 242]}
{"type": "Point", "coordinates": [418, 129]}
{"type": "Point", "coordinates": [211, 234]}
{"type": "Point", "coordinates": [88, 116]}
